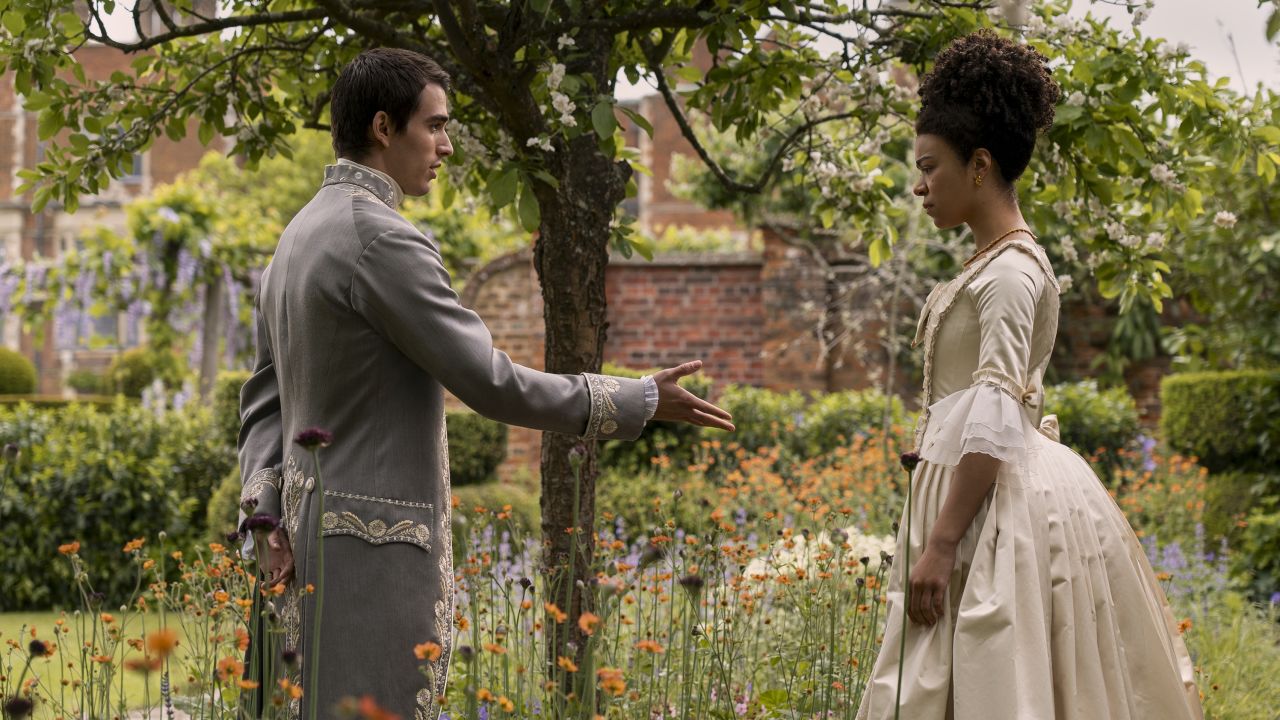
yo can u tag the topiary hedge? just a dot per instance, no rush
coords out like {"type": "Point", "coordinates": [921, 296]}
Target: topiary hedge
{"type": "Point", "coordinates": [1230, 420]}
{"type": "Point", "coordinates": [477, 446]}
{"type": "Point", "coordinates": [17, 374]}
{"type": "Point", "coordinates": [132, 371]}
{"type": "Point", "coordinates": [103, 478]}
{"type": "Point", "coordinates": [1094, 422]}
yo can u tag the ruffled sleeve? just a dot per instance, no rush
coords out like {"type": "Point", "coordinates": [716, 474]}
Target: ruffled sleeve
{"type": "Point", "coordinates": [995, 414]}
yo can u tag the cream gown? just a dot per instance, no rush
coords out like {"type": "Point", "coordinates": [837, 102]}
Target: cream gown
{"type": "Point", "coordinates": [1053, 611]}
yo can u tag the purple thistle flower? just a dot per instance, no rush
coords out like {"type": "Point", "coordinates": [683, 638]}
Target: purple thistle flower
{"type": "Point", "coordinates": [262, 522]}
{"type": "Point", "coordinates": [909, 460]}
{"type": "Point", "coordinates": [313, 438]}
{"type": "Point", "coordinates": [37, 648]}
{"type": "Point", "coordinates": [18, 707]}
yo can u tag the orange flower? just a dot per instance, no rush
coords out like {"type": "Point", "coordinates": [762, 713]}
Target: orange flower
{"type": "Point", "coordinates": [229, 668]}
{"type": "Point", "coordinates": [495, 648]}
{"type": "Point", "coordinates": [611, 681]}
{"type": "Point", "coordinates": [162, 642]}
{"type": "Point", "coordinates": [101, 659]}
{"type": "Point", "coordinates": [506, 704]}
{"type": "Point", "coordinates": [566, 664]}
{"type": "Point", "coordinates": [587, 623]}
{"type": "Point", "coordinates": [370, 710]}
{"type": "Point", "coordinates": [242, 639]}
{"type": "Point", "coordinates": [291, 691]}
{"type": "Point", "coordinates": [222, 596]}
{"type": "Point", "coordinates": [143, 665]}
{"type": "Point", "coordinates": [108, 618]}
{"type": "Point", "coordinates": [1184, 626]}
{"type": "Point", "coordinates": [428, 651]}
{"type": "Point", "coordinates": [134, 545]}
{"type": "Point", "coordinates": [650, 646]}
{"type": "Point", "coordinates": [70, 548]}
{"type": "Point", "coordinates": [555, 612]}
{"type": "Point", "coordinates": [483, 695]}
{"type": "Point", "coordinates": [217, 548]}
{"type": "Point", "coordinates": [247, 684]}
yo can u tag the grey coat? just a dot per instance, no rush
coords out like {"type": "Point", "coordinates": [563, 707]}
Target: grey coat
{"type": "Point", "coordinates": [360, 333]}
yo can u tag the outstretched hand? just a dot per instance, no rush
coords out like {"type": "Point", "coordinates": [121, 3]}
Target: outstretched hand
{"type": "Point", "coordinates": [278, 569]}
{"type": "Point", "coordinates": [676, 403]}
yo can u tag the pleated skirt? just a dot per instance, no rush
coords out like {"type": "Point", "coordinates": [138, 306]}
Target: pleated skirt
{"type": "Point", "coordinates": [1053, 611]}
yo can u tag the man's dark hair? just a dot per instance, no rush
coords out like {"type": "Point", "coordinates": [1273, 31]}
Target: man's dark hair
{"type": "Point", "coordinates": [989, 92]}
{"type": "Point", "coordinates": [386, 79]}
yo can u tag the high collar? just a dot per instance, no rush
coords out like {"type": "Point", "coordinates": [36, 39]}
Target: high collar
{"type": "Point", "coordinates": [382, 185]}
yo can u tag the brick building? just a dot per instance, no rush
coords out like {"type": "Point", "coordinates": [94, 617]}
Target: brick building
{"type": "Point", "coordinates": [25, 235]}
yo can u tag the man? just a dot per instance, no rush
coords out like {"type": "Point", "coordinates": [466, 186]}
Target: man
{"type": "Point", "coordinates": [360, 333]}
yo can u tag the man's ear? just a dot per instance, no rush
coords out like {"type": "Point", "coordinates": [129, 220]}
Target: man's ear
{"type": "Point", "coordinates": [380, 129]}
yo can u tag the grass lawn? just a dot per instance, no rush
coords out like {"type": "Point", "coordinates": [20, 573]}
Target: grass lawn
{"type": "Point", "coordinates": [137, 689]}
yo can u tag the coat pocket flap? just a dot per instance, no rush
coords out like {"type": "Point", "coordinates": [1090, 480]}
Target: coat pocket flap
{"type": "Point", "coordinates": [377, 520]}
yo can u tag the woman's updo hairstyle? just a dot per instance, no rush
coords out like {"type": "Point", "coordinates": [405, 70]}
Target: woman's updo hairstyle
{"type": "Point", "coordinates": [989, 92]}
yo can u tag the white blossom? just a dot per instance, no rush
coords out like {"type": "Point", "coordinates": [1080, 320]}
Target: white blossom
{"type": "Point", "coordinates": [1156, 241]}
{"type": "Point", "coordinates": [1069, 252]}
{"type": "Point", "coordinates": [1225, 219]}
{"type": "Point", "coordinates": [568, 121]}
{"type": "Point", "coordinates": [1163, 175]}
{"type": "Point", "coordinates": [562, 103]}
{"type": "Point", "coordinates": [541, 142]}
{"type": "Point", "coordinates": [555, 76]}
{"type": "Point", "coordinates": [1064, 283]}
{"type": "Point", "coordinates": [1115, 230]}
{"type": "Point", "coordinates": [1131, 241]}
{"type": "Point", "coordinates": [1076, 99]}
{"type": "Point", "coordinates": [564, 41]}
{"type": "Point", "coordinates": [1036, 26]}
{"type": "Point", "coordinates": [1140, 15]}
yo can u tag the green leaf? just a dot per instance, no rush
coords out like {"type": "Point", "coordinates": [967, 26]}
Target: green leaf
{"type": "Point", "coordinates": [642, 245]}
{"type": "Point", "coordinates": [205, 133]}
{"type": "Point", "coordinates": [502, 187]}
{"type": "Point", "coordinates": [638, 119]}
{"type": "Point", "coordinates": [49, 125]}
{"type": "Point", "coordinates": [688, 73]}
{"type": "Point", "coordinates": [530, 214]}
{"type": "Point", "coordinates": [1267, 133]}
{"type": "Point", "coordinates": [603, 120]}
{"type": "Point", "coordinates": [14, 22]}
{"type": "Point", "coordinates": [1266, 168]}
{"type": "Point", "coordinates": [878, 251]}
{"type": "Point", "coordinates": [1273, 25]}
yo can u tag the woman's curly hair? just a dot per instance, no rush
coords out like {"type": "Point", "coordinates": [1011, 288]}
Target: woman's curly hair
{"type": "Point", "coordinates": [989, 92]}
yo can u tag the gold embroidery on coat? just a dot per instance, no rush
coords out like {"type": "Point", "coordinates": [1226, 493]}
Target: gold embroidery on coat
{"type": "Point", "coordinates": [259, 481]}
{"type": "Point", "coordinates": [604, 410]}
{"type": "Point", "coordinates": [444, 604]}
{"type": "Point", "coordinates": [376, 531]}
{"type": "Point", "coordinates": [291, 620]}
{"type": "Point", "coordinates": [291, 502]}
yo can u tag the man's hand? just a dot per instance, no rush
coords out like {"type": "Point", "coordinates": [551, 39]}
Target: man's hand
{"type": "Point", "coordinates": [275, 556]}
{"type": "Point", "coordinates": [676, 403]}
{"type": "Point", "coordinates": [929, 580]}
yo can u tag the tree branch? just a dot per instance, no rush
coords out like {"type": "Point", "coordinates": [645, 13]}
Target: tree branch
{"type": "Point", "coordinates": [677, 112]}
{"type": "Point", "coordinates": [197, 29]}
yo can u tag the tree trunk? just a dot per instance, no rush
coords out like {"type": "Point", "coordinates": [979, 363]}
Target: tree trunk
{"type": "Point", "coordinates": [571, 255]}
{"type": "Point", "coordinates": [209, 334]}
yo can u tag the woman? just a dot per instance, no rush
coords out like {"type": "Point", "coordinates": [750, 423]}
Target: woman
{"type": "Point", "coordinates": [1030, 597]}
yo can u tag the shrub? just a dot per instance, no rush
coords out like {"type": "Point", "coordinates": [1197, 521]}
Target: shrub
{"type": "Point", "coordinates": [765, 418]}
{"type": "Point", "coordinates": [224, 508]}
{"type": "Point", "coordinates": [674, 440]}
{"type": "Point", "coordinates": [834, 419]}
{"type": "Point", "coordinates": [1257, 556]}
{"type": "Point", "coordinates": [134, 370]}
{"type": "Point", "coordinates": [1230, 420]}
{"type": "Point", "coordinates": [1228, 498]}
{"type": "Point", "coordinates": [87, 382]}
{"type": "Point", "coordinates": [17, 374]}
{"type": "Point", "coordinates": [491, 500]}
{"type": "Point", "coordinates": [477, 446]}
{"type": "Point", "coordinates": [101, 478]}
{"type": "Point", "coordinates": [1094, 422]}
{"type": "Point", "coordinates": [226, 403]}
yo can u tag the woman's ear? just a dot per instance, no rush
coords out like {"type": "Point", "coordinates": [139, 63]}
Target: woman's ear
{"type": "Point", "coordinates": [981, 164]}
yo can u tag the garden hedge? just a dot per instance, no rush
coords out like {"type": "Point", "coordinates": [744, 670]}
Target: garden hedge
{"type": "Point", "coordinates": [477, 446]}
{"type": "Point", "coordinates": [1230, 420]}
{"type": "Point", "coordinates": [1097, 423]}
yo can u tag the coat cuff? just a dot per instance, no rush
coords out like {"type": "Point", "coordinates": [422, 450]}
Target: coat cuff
{"type": "Point", "coordinates": [617, 408]}
{"type": "Point", "coordinates": [261, 493]}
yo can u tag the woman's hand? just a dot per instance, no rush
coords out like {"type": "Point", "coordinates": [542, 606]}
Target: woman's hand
{"type": "Point", "coordinates": [929, 579]}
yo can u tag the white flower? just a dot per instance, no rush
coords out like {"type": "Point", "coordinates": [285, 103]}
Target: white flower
{"type": "Point", "coordinates": [564, 41]}
{"type": "Point", "coordinates": [1140, 15]}
{"type": "Point", "coordinates": [1115, 230]}
{"type": "Point", "coordinates": [1036, 26]}
{"type": "Point", "coordinates": [1225, 219]}
{"type": "Point", "coordinates": [562, 103]}
{"type": "Point", "coordinates": [1131, 241]}
{"type": "Point", "coordinates": [1163, 175]}
{"type": "Point", "coordinates": [541, 142]}
{"type": "Point", "coordinates": [1076, 99]}
{"type": "Point", "coordinates": [1064, 283]}
{"type": "Point", "coordinates": [555, 76]}
{"type": "Point", "coordinates": [1156, 241]}
{"type": "Point", "coordinates": [1069, 252]}
{"type": "Point", "coordinates": [568, 121]}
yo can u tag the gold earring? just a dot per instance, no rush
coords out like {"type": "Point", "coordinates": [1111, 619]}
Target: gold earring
{"type": "Point", "coordinates": [977, 181]}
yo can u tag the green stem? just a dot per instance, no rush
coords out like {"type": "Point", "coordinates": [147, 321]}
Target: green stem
{"type": "Point", "coordinates": [313, 684]}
